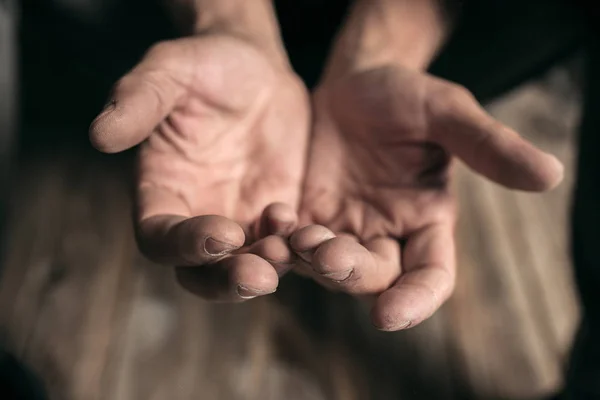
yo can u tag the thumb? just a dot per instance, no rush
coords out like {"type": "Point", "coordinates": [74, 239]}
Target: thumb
{"type": "Point", "coordinates": [141, 99]}
{"type": "Point", "coordinates": [463, 127]}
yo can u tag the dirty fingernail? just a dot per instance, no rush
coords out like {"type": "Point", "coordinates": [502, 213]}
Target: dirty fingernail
{"type": "Point", "coordinates": [339, 276]}
{"type": "Point", "coordinates": [216, 247]}
{"type": "Point", "coordinates": [395, 327]}
{"type": "Point", "coordinates": [247, 293]}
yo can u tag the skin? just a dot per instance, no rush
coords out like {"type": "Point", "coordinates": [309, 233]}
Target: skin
{"type": "Point", "coordinates": [225, 162]}
{"type": "Point", "coordinates": [377, 196]}
{"type": "Point", "coordinates": [223, 125]}
{"type": "Point", "coordinates": [379, 170]}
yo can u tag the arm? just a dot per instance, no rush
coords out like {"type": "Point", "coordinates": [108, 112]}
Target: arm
{"type": "Point", "coordinates": [251, 20]}
{"type": "Point", "coordinates": [382, 31]}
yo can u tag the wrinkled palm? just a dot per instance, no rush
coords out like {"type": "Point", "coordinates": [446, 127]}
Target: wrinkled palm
{"type": "Point", "coordinates": [378, 175]}
{"type": "Point", "coordinates": [224, 132]}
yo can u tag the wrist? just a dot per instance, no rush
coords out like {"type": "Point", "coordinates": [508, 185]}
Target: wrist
{"type": "Point", "coordinates": [253, 21]}
{"type": "Point", "coordinates": [382, 32]}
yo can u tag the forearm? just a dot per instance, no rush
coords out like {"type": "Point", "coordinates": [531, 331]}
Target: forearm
{"type": "Point", "coordinates": [377, 32]}
{"type": "Point", "coordinates": [252, 20]}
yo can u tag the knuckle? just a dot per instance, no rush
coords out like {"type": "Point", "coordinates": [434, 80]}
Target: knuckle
{"type": "Point", "coordinates": [175, 56]}
{"type": "Point", "coordinates": [460, 92]}
{"type": "Point", "coordinates": [448, 97]}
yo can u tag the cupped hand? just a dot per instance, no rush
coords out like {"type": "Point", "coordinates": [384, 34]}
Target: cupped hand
{"type": "Point", "coordinates": [223, 131]}
{"type": "Point", "coordinates": [377, 203]}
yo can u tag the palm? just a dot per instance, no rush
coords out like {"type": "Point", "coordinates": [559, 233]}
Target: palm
{"type": "Point", "coordinates": [387, 176]}
{"type": "Point", "coordinates": [233, 143]}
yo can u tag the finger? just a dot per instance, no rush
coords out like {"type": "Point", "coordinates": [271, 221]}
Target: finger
{"type": "Point", "coordinates": [277, 219]}
{"type": "Point", "coordinates": [233, 279]}
{"type": "Point", "coordinates": [167, 233]}
{"type": "Point", "coordinates": [357, 269]}
{"type": "Point", "coordinates": [276, 251]}
{"type": "Point", "coordinates": [463, 127]}
{"type": "Point", "coordinates": [177, 240]}
{"type": "Point", "coordinates": [142, 99]}
{"type": "Point", "coordinates": [426, 282]}
{"type": "Point", "coordinates": [305, 241]}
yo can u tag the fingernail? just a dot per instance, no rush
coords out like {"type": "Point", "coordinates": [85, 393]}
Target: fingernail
{"type": "Point", "coordinates": [247, 293]}
{"type": "Point", "coordinates": [403, 325]}
{"type": "Point", "coordinates": [397, 327]}
{"type": "Point", "coordinates": [215, 247]}
{"type": "Point", "coordinates": [339, 276]}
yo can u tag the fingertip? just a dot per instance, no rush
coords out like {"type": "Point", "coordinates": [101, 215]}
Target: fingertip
{"type": "Point", "coordinates": [309, 238]}
{"type": "Point", "coordinates": [412, 300]}
{"type": "Point", "coordinates": [536, 173]}
{"type": "Point", "coordinates": [115, 129]}
{"type": "Point", "coordinates": [343, 264]}
{"type": "Point", "coordinates": [356, 269]}
{"type": "Point", "coordinates": [493, 149]}
{"type": "Point", "coordinates": [184, 241]}
{"type": "Point", "coordinates": [387, 323]}
{"type": "Point", "coordinates": [140, 101]}
{"type": "Point", "coordinates": [100, 131]}
{"type": "Point", "coordinates": [216, 247]}
{"type": "Point", "coordinates": [337, 258]}
{"type": "Point", "coordinates": [278, 219]}
{"type": "Point", "coordinates": [275, 250]}
{"type": "Point", "coordinates": [390, 315]}
{"type": "Point", "coordinates": [233, 279]}
{"type": "Point", "coordinates": [552, 175]}
{"type": "Point", "coordinates": [281, 212]}
{"type": "Point", "coordinates": [220, 234]}
{"type": "Point", "coordinates": [251, 276]}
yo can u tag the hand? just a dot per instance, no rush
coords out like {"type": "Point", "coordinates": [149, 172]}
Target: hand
{"type": "Point", "coordinates": [378, 172]}
{"type": "Point", "coordinates": [224, 131]}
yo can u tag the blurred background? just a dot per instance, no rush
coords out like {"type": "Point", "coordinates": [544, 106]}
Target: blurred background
{"type": "Point", "coordinates": [90, 318]}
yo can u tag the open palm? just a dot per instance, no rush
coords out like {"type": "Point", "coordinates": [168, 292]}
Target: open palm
{"type": "Point", "coordinates": [224, 132]}
{"type": "Point", "coordinates": [377, 198]}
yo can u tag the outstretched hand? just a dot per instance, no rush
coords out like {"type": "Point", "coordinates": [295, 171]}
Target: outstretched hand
{"type": "Point", "coordinates": [223, 132]}
{"type": "Point", "coordinates": [377, 196]}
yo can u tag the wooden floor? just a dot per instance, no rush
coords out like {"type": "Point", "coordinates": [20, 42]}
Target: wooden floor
{"type": "Point", "coordinates": [96, 321]}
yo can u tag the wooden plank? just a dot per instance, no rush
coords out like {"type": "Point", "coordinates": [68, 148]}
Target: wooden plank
{"type": "Point", "coordinates": [31, 246]}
